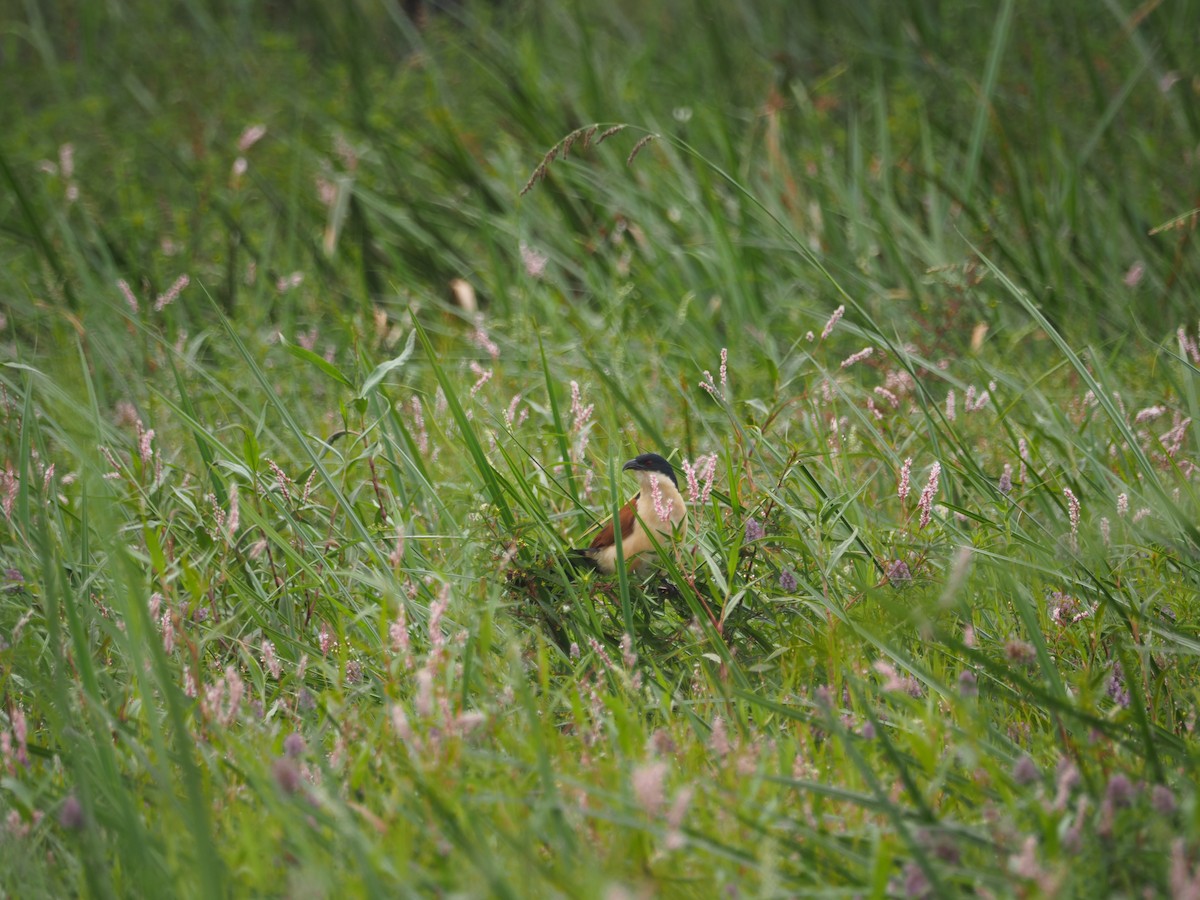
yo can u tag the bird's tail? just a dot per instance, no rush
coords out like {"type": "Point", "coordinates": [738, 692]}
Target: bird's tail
{"type": "Point", "coordinates": [582, 561]}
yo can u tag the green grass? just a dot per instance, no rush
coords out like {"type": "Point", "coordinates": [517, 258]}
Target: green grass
{"type": "Point", "coordinates": [286, 607]}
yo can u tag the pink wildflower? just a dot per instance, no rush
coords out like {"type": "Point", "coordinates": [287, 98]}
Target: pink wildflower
{"type": "Point", "coordinates": [925, 503]}
{"type": "Point", "coordinates": [1006, 479]}
{"type": "Point", "coordinates": [892, 399]}
{"type": "Point", "coordinates": [580, 413]}
{"type": "Point", "coordinates": [289, 282]}
{"type": "Point", "coordinates": [396, 557]}
{"type": "Point", "coordinates": [1188, 348]}
{"type": "Point", "coordinates": [858, 357]}
{"type": "Point", "coordinates": [145, 439]}
{"type": "Point", "coordinates": [833, 320]}
{"type": "Point", "coordinates": [975, 403]}
{"type": "Point", "coordinates": [127, 293]}
{"type": "Point", "coordinates": [400, 724]}
{"type": "Point", "coordinates": [533, 260]}
{"type": "Point", "coordinates": [270, 660]}
{"type": "Point", "coordinates": [1072, 510]}
{"type": "Point", "coordinates": [662, 505]}
{"type": "Point", "coordinates": [66, 160]}
{"type": "Point", "coordinates": [510, 415]}
{"type": "Point", "coordinates": [167, 626]}
{"type": "Point", "coordinates": [718, 740]}
{"type": "Point", "coordinates": [251, 136]}
{"type": "Point", "coordinates": [21, 732]}
{"type": "Point", "coordinates": [484, 376]}
{"type": "Point", "coordinates": [905, 470]}
{"type": "Point", "coordinates": [483, 341]}
{"type": "Point", "coordinates": [326, 639]}
{"type": "Point", "coordinates": [9, 488]}
{"type": "Point", "coordinates": [172, 293]}
{"type": "Point", "coordinates": [422, 436]}
{"type": "Point", "coordinates": [648, 788]}
{"type": "Point", "coordinates": [599, 650]}
{"type": "Point", "coordinates": [281, 480]}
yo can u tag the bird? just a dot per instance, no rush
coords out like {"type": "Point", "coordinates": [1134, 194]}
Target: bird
{"type": "Point", "coordinates": [656, 476]}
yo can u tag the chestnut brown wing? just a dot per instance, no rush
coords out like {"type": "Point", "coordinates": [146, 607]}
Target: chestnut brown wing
{"type": "Point", "coordinates": [626, 518]}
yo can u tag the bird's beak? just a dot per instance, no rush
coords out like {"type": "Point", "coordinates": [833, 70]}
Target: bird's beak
{"type": "Point", "coordinates": [631, 466]}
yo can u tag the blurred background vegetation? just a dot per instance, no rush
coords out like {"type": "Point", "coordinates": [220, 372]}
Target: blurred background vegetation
{"type": "Point", "coordinates": [891, 137]}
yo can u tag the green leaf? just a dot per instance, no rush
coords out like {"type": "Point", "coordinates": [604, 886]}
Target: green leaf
{"type": "Point", "coordinates": [385, 368]}
{"type": "Point", "coordinates": [317, 360]}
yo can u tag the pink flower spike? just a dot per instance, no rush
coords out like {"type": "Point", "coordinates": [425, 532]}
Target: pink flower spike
{"type": "Point", "coordinates": [251, 136]}
{"type": "Point", "coordinates": [510, 414]}
{"type": "Point", "coordinates": [648, 787]}
{"type": "Point", "coordinates": [693, 485]}
{"type": "Point", "coordinates": [925, 503]}
{"type": "Point", "coordinates": [422, 435]}
{"type": "Point", "coordinates": [66, 160]}
{"type": "Point", "coordinates": [289, 282]}
{"type": "Point", "coordinates": [892, 400]}
{"type": "Point", "coordinates": [483, 375]}
{"type": "Point", "coordinates": [858, 357]}
{"type": "Point", "coordinates": [145, 444]}
{"type": "Point", "coordinates": [1072, 510]}
{"type": "Point", "coordinates": [270, 660]}
{"type": "Point", "coordinates": [21, 733]}
{"type": "Point", "coordinates": [483, 341]}
{"type": "Point", "coordinates": [166, 299]}
{"type": "Point", "coordinates": [833, 320]}
{"type": "Point", "coordinates": [905, 470]}
{"type": "Point", "coordinates": [231, 522]}
{"type": "Point", "coordinates": [127, 293]}
{"type": "Point", "coordinates": [710, 472]}
{"type": "Point", "coordinates": [662, 506]}
{"type": "Point", "coordinates": [580, 413]}
{"type": "Point", "coordinates": [702, 470]}
{"type": "Point", "coordinates": [533, 260]}
{"type": "Point", "coordinates": [711, 386]}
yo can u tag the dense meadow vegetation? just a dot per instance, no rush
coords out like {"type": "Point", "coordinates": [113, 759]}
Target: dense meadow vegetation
{"type": "Point", "coordinates": [325, 330]}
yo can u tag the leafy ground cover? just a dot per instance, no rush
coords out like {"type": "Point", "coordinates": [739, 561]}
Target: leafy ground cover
{"type": "Point", "coordinates": [326, 332]}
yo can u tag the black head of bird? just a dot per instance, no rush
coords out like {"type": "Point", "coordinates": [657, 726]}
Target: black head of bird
{"type": "Point", "coordinates": [652, 462]}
